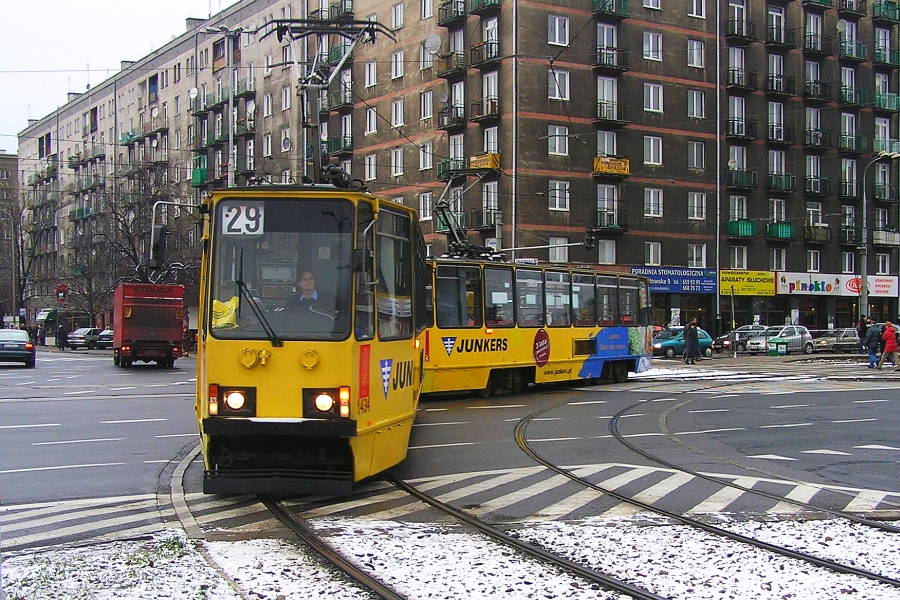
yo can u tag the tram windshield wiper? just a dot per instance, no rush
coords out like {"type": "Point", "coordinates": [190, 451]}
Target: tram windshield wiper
{"type": "Point", "coordinates": [255, 307]}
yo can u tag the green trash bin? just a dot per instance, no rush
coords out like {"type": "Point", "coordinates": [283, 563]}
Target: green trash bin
{"type": "Point", "coordinates": [777, 347]}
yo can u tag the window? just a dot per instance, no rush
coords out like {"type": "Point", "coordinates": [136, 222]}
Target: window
{"type": "Point", "coordinates": [653, 97]}
{"type": "Point", "coordinates": [287, 57]}
{"type": "Point", "coordinates": [697, 8]}
{"type": "Point", "coordinates": [848, 262]}
{"type": "Point", "coordinates": [397, 16]}
{"type": "Point", "coordinates": [370, 74]}
{"type": "Point", "coordinates": [558, 82]}
{"type": "Point", "coordinates": [426, 104]}
{"type": "Point", "coordinates": [882, 264]}
{"type": "Point", "coordinates": [425, 203]}
{"type": "Point", "coordinates": [696, 104]}
{"type": "Point", "coordinates": [696, 155]}
{"type": "Point", "coordinates": [427, 58]}
{"type": "Point", "coordinates": [812, 261]}
{"type": "Point", "coordinates": [426, 154]}
{"type": "Point", "coordinates": [267, 105]}
{"type": "Point", "coordinates": [397, 112]}
{"type": "Point", "coordinates": [695, 54]}
{"type": "Point", "coordinates": [370, 167]}
{"type": "Point", "coordinates": [696, 256]}
{"type": "Point", "coordinates": [267, 144]}
{"type": "Point", "coordinates": [737, 257]}
{"type": "Point", "coordinates": [557, 30]}
{"type": "Point", "coordinates": [396, 162]}
{"type": "Point", "coordinates": [371, 121]}
{"type": "Point", "coordinates": [285, 98]}
{"type": "Point", "coordinates": [557, 140]}
{"type": "Point", "coordinates": [656, 4]}
{"type": "Point", "coordinates": [652, 150]}
{"type": "Point", "coordinates": [607, 252]}
{"type": "Point", "coordinates": [777, 259]}
{"type": "Point", "coordinates": [653, 202]}
{"type": "Point", "coordinates": [696, 205]}
{"type": "Point", "coordinates": [397, 64]}
{"type": "Point", "coordinates": [559, 252]}
{"type": "Point", "coordinates": [427, 8]}
{"type": "Point", "coordinates": [558, 196]}
{"type": "Point", "coordinates": [652, 45]}
{"type": "Point", "coordinates": [652, 253]}
{"type": "Point", "coordinates": [490, 140]}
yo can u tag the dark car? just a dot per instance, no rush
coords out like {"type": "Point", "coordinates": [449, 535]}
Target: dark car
{"type": "Point", "coordinates": [737, 339]}
{"type": "Point", "coordinates": [84, 337]}
{"type": "Point", "coordinates": [16, 346]}
{"type": "Point", "coordinates": [105, 339]}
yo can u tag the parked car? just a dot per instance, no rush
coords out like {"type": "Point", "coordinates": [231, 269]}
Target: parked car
{"type": "Point", "coordinates": [16, 346]}
{"type": "Point", "coordinates": [797, 337]}
{"type": "Point", "coordinates": [670, 342]}
{"type": "Point", "coordinates": [737, 338]}
{"type": "Point", "coordinates": [837, 340]}
{"type": "Point", "coordinates": [84, 337]}
{"type": "Point", "coordinates": [105, 339]}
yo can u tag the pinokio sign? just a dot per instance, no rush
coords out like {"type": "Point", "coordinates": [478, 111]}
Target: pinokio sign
{"type": "Point", "coordinates": [828, 284]}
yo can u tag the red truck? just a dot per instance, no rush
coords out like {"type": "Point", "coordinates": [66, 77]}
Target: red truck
{"type": "Point", "coordinates": [148, 323]}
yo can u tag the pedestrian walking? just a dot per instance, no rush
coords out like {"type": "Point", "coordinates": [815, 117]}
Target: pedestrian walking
{"type": "Point", "coordinates": [890, 346]}
{"type": "Point", "coordinates": [691, 343]}
{"type": "Point", "coordinates": [62, 337]}
{"type": "Point", "coordinates": [862, 327]}
{"type": "Point", "coordinates": [872, 341]}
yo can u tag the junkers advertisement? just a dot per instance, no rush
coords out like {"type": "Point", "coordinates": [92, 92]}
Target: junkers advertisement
{"type": "Point", "coordinates": [827, 284]}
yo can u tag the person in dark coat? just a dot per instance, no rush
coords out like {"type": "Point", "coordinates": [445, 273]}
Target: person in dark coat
{"type": "Point", "coordinates": [691, 343]}
{"type": "Point", "coordinates": [862, 327]}
{"type": "Point", "coordinates": [62, 337]}
{"type": "Point", "coordinates": [872, 342]}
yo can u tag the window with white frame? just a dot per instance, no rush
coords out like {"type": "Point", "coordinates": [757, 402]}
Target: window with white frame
{"type": "Point", "coordinates": [426, 154]}
{"type": "Point", "coordinates": [737, 208]}
{"type": "Point", "coordinates": [427, 60]}
{"type": "Point", "coordinates": [777, 210]}
{"type": "Point", "coordinates": [654, 4]}
{"type": "Point", "coordinates": [696, 56]}
{"type": "Point", "coordinates": [813, 258]}
{"type": "Point", "coordinates": [848, 262]}
{"type": "Point", "coordinates": [371, 172]}
{"type": "Point", "coordinates": [285, 140]}
{"type": "Point", "coordinates": [397, 64]}
{"type": "Point", "coordinates": [696, 100]}
{"type": "Point", "coordinates": [397, 16]}
{"type": "Point", "coordinates": [490, 198]}
{"type": "Point", "coordinates": [777, 259]}
{"type": "Point", "coordinates": [371, 73]}
{"type": "Point", "coordinates": [490, 140]}
{"type": "Point", "coordinates": [653, 97]}
{"type": "Point", "coordinates": [559, 252]}
{"type": "Point", "coordinates": [882, 264]}
{"type": "Point", "coordinates": [558, 195]}
{"type": "Point", "coordinates": [397, 112]}
{"type": "Point", "coordinates": [652, 150]}
{"type": "Point", "coordinates": [814, 213]}
{"type": "Point", "coordinates": [737, 257]}
{"type": "Point", "coordinates": [558, 82]}
{"type": "Point", "coordinates": [652, 253]}
{"type": "Point", "coordinates": [696, 256]}
{"type": "Point", "coordinates": [396, 162]}
{"type": "Point", "coordinates": [427, 9]}
{"type": "Point", "coordinates": [557, 30]}
{"type": "Point", "coordinates": [697, 9]}
{"type": "Point", "coordinates": [557, 140]}
{"type": "Point", "coordinates": [425, 201]}
{"type": "Point", "coordinates": [371, 121]}
{"type": "Point", "coordinates": [653, 202]}
{"type": "Point", "coordinates": [652, 45]}
{"type": "Point", "coordinates": [267, 105]}
{"type": "Point", "coordinates": [426, 104]}
{"type": "Point", "coordinates": [285, 98]}
{"type": "Point", "coordinates": [696, 155]}
{"type": "Point", "coordinates": [606, 252]}
{"type": "Point", "coordinates": [267, 144]}
{"type": "Point", "coordinates": [696, 205]}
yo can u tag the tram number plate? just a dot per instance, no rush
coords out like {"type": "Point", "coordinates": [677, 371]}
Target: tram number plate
{"type": "Point", "coordinates": [363, 405]}
{"type": "Point", "coordinates": [243, 219]}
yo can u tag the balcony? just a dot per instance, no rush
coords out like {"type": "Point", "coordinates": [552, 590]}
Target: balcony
{"type": "Point", "coordinates": [342, 9]}
{"type": "Point", "coordinates": [780, 231]}
{"type": "Point", "coordinates": [451, 117]}
{"type": "Point", "coordinates": [220, 99]}
{"type": "Point", "coordinates": [850, 189]}
{"type": "Point", "coordinates": [885, 145]}
{"type": "Point", "coordinates": [737, 179]}
{"type": "Point", "coordinates": [740, 32]}
{"type": "Point", "coordinates": [451, 12]}
{"type": "Point", "coordinates": [336, 53]}
{"type": "Point", "coordinates": [852, 8]}
{"type": "Point", "coordinates": [455, 64]}
{"type": "Point", "coordinates": [819, 233]}
{"type": "Point", "coordinates": [484, 219]}
{"type": "Point", "coordinates": [817, 91]}
{"type": "Point", "coordinates": [781, 183]}
{"type": "Point", "coordinates": [612, 221]}
{"type": "Point", "coordinates": [342, 144]}
{"type": "Point", "coordinates": [886, 12]}
{"type": "Point", "coordinates": [886, 57]}
{"type": "Point", "coordinates": [485, 109]}
{"type": "Point", "coordinates": [779, 134]}
{"type": "Point", "coordinates": [740, 129]}
{"type": "Point", "coordinates": [608, 58]}
{"type": "Point", "coordinates": [740, 229]}
{"type": "Point", "coordinates": [852, 50]}
{"type": "Point", "coordinates": [779, 37]}
{"type": "Point", "coordinates": [740, 79]}
{"type": "Point", "coordinates": [885, 237]}
{"type": "Point", "coordinates": [780, 85]}
{"type": "Point", "coordinates": [198, 107]}
{"type": "Point", "coordinates": [823, 4]}
{"type": "Point", "coordinates": [456, 218]}
{"type": "Point", "coordinates": [477, 7]}
{"type": "Point", "coordinates": [611, 113]}
{"type": "Point", "coordinates": [611, 8]}
{"type": "Point", "coordinates": [887, 193]}
{"type": "Point", "coordinates": [852, 96]}
{"type": "Point", "coordinates": [245, 127]}
{"type": "Point", "coordinates": [849, 236]}
{"type": "Point", "coordinates": [450, 168]}
{"type": "Point", "coordinates": [485, 54]}
{"type": "Point", "coordinates": [817, 186]}
{"type": "Point", "coordinates": [852, 144]}
{"type": "Point", "coordinates": [816, 139]}
{"type": "Point", "coordinates": [610, 166]}
{"type": "Point", "coordinates": [816, 43]}
{"type": "Point", "coordinates": [245, 88]}
{"type": "Point", "coordinates": [245, 165]}
{"type": "Point", "coordinates": [886, 103]}
{"type": "Point", "coordinates": [199, 177]}
{"type": "Point", "coordinates": [341, 99]}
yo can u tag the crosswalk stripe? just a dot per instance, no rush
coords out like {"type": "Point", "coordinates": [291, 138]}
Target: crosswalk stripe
{"type": "Point", "coordinates": [720, 500]}
{"type": "Point", "coordinates": [866, 500]}
{"type": "Point", "coordinates": [664, 487]}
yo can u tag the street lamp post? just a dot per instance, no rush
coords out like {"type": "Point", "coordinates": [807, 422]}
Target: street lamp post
{"type": "Point", "coordinates": [864, 245]}
{"type": "Point", "coordinates": [230, 36]}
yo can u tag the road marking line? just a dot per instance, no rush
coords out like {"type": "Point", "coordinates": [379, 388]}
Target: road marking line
{"type": "Point", "coordinates": [80, 392]}
{"type": "Point", "coordinates": [133, 421]}
{"type": "Point", "coordinates": [826, 451]}
{"type": "Point", "coordinates": [771, 457]}
{"type": "Point", "coordinates": [173, 435]}
{"type": "Point", "coordinates": [876, 447]}
{"type": "Point", "coordinates": [785, 426]}
{"type": "Point", "coordinates": [854, 420]}
{"type": "Point", "coordinates": [59, 468]}
{"type": "Point", "coordinates": [26, 426]}
{"type": "Point", "coordinates": [77, 441]}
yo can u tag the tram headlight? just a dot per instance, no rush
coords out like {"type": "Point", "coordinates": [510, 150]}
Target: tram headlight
{"type": "Point", "coordinates": [235, 400]}
{"type": "Point", "coordinates": [324, 402]}
{"type": "Point", "coordinates": [228, 401]}
{"type": "Point", "coordinates": [327, 403]}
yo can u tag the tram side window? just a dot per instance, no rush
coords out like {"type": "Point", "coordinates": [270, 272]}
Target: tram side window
{"type": "Point", "coordinates": [365, 296]}
{"type": "Point", "coordinates": [395, 281]}
{"type": "Point", "coordinates": [607, 301]}
{"type": "Point", "coordinates": [498, 296]}
{"type": "Point", "coordinates": [530, 298]}
{"type": "Point", "coordinates": [583, 300]}
{"type": "Point", "coordinates": [558, 299]}
{"type": "Point", "coordinates": [646, 315]}
{"type": "Point", "coordinates": [629, 301]}
{"type": "Point", "coordinates": [458, 297]}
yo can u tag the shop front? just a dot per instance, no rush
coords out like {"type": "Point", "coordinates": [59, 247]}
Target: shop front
{"type": "Point", "coordinates": [830, 300]}
{"type": "Point", "coordinates": [681, 294]}
{"type": "Point", "coordinates": [748, 297]}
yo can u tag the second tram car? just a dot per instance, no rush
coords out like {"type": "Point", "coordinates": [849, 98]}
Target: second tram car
{"type": "Point", "coordinates": [307, 394]}
{"type": "Point", "coordinates": [500, 326]}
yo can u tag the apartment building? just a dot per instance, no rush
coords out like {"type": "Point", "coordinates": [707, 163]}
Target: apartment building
{"type": "Point", "coordinates": [730, 148]}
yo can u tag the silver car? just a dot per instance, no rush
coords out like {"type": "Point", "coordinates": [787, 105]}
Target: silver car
{"type": "Point", "coordinates": [797, 336]}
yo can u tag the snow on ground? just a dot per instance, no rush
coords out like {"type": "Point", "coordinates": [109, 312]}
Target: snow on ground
{"type": "Point", "coordinates": [445, 562]}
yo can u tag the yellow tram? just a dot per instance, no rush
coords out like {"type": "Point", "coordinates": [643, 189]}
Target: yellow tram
{"type": "Point", "coordinates": [300, 396]}
{"type": "Point", "coordinates": [499, 326]}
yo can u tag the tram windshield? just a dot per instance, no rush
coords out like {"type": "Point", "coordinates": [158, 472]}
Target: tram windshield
{"type": "Point", "coordinates": [281, 269]}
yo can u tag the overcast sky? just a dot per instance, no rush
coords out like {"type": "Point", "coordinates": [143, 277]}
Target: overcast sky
{"type": "Point", "coordinates": [51, 47]}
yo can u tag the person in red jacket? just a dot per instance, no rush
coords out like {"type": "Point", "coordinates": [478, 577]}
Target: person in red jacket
{"type": "Point", "coordinates": [890, 345]}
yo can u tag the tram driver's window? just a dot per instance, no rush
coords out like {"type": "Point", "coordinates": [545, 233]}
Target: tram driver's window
{"type": "Point", "coordinates": [458, 301]}
{"type": "Point", "coordinates": [530, 295]}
